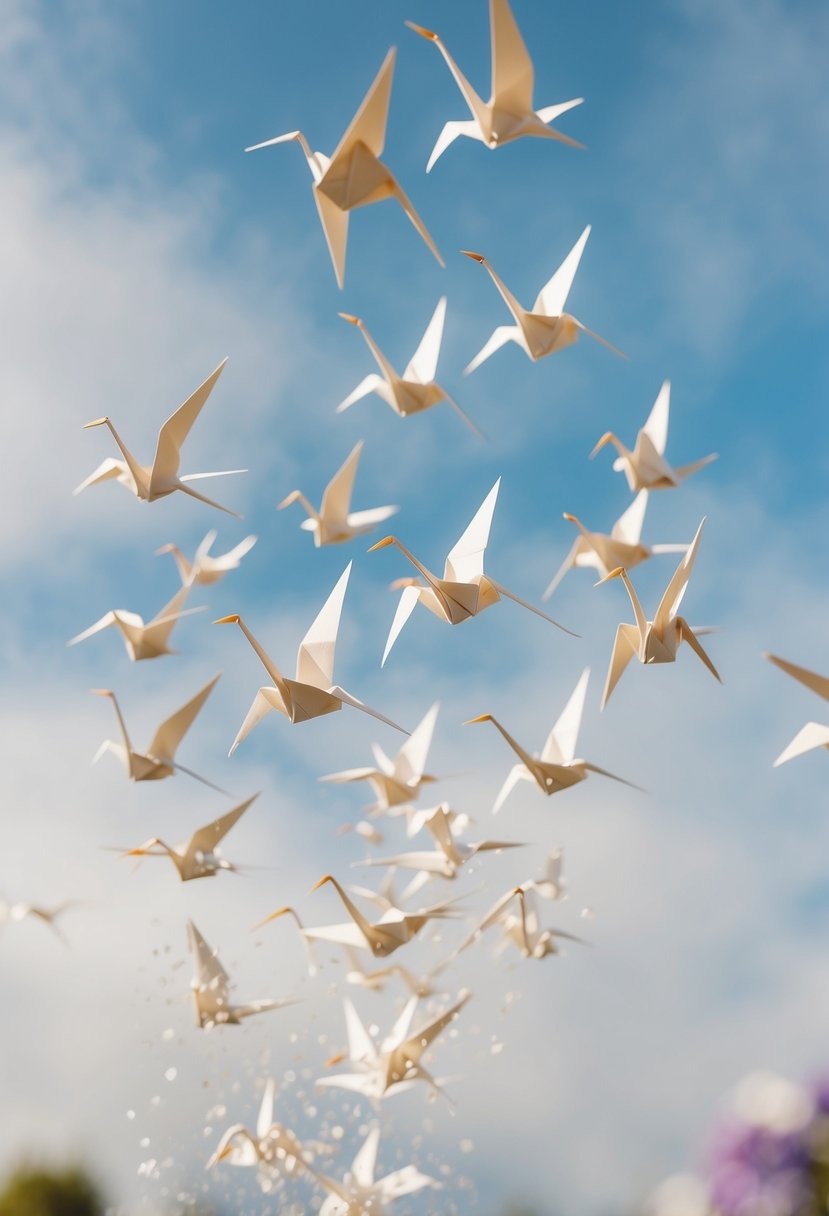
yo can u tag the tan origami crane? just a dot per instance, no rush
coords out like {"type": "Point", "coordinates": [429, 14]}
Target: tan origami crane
{"type": "Point", "coordinates": [416, 390]}
{"type": "Point", "coordinates": [813, 734]}
{"type": "Point", "coordinates": [602, 552]}
{"type": "Point", "coordinates": [451, 854]}
{"type": "Point", "coordinates": [396, 782]}
{"type": "Point", "coordinates": [354, 176]}
{"type": "Point", "coordinates": [211, 989]}
{"type": "Point", "coordinates": [657, 641]}
{"type": "Point", "coordinates": [335, 522]}
{"type": "Point", "coordinates": [546, 328]}
{"type": "Point", "coordinates": [313, 692]}
{"type": "Point", "coordinates": [393, 930]}
{"type": "Point", "coordinates": [419, 985]}
{"type": "Point", "coordinates": [157, 480]}
{"type": "Point", "coordinates": [205, 569]}
{"type": "Point", "coordinates": [646, 467]}
{"type": "Point", "coordinates": [395, 1065]}
{"type": "Point", "coordinates": [510, 113]}
{"type": "Point", "coordinates": [556, 768]}
{"type": "Point", "coordinates": [47, 916]}
{"type": "Point", "coordinates": [359, 1194]}
{"type": "Point", "coordinates": [464, 590]}
{"type": "Point", "coordinates": [522, 928]}
{"type": "Point", "coordinates": [200, 856]}
{"type": "Point", "coordinates": [143, 641]}
{"type": "Point", "coordinates": [271, 1145]}
{"type": "Point", "coordinates": [159, 760]}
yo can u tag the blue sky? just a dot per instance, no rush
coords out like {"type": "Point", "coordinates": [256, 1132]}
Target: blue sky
{"type": "Point", "coordinates": [141, 246]}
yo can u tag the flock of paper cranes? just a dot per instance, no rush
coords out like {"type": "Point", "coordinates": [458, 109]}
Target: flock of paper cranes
{"type": "Point", "coordinates": [380, 923]}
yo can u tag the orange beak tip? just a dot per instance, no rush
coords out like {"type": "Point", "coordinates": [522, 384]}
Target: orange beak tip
{"type": "Point", "coordinates": [476, 257]}
{"type": "Point", "coordinates": [228, 620]}
{"type": "Point", "coordinates": [347, 316]}
{"type": "Point", "coordinates": [381, 544]}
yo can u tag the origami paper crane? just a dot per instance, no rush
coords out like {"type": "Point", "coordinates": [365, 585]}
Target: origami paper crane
{"type": "Point", "coordinates": [198, 857]}
{"type": "Point", "coordinates": [271, 1145]}
{"type": "Point", "coordinates": [657, 641]}
{"type": "Point", "coordinates": [451, 854]}
{"type": "Point", "coordinates": [157, 480]}
{"type": "Point", "coordinates": [359, 1193]}
{"type": "Point", "coordinates": [159, 760]}
{"type": "Point", "coordinates": [646, 467]}
{"type": "Point", "coordinates": [399, 780]}
{"type": "Point", "coordinates": [418, 985]}
{"type": "Point", "coordinates": [623, 547]}
{"type": "Point", "coordinates": [464, 590]}
{"type": "Point", "coordinates": [546, 328]}
{"type": "Point", "coordinates": [354, 176]}
{"type": "Point", "coordinates": [47, 916]}
{"type": "Point", "coordinates": [416, 390]}
{"type": "Point", "coordinates": [813, 734]}
{"type": "Point", "coordinates": [211, 989]}
{"type": "Point", "coordinates": [335, 522]}
{"type": "Point", "coordinates": [521, 928]}
{"type": "Point", "coordinates": [556, 768]}
{"type": "Point", "coordinates": [510, 112]}
{"type": "Point", "coordinates": [313, 692]}
{"type": "Point", "coordinates": [143, 641]}
{"type": "Point", "coordinates": [205, 569]}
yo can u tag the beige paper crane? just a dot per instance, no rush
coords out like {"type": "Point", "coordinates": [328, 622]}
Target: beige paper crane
{"type": "Point", "coordinates": [360, 1194]}
{"type": "Point", "coordinates": [335, 522]}
{"type": "Point", "coordinates": [199, 856]}
{"type": "Point", "coordinates": [159, 760]}
{"type": "Point", "coordinates": [518, 918]}
{"type": "Point", "coordinates": [354, 176]}
{"type": "Point", "coordinates": [813, 734]}
{"type": "Point", "coordinates": [143, 641]}
{"type": "Point", "coordinates": [313, 692]}
{"type": "Point", "coordinates": [464, 590]}
{"type": "Point", "coordinates": [382, 937]}
{"type": "Point", "coordinates": [510, 112]}
{"type": "Point", "coordinates": [399, 780]}
{"type": "Point", "coordinates": [416, 390]}
{"type": "Point", "coordinates": [551, 884]}
{"type": "Point", "coordinates": [394, 1065]}
{"type": "Point", "coordinates": [556, 768]}
{"type": "Point", "coordinates": [451, 854]}
{"type": "Point", "coordinates": [545, 328]}
{"type": "Point", "coordinates": [20, 910]}
{"type": "Point", "coordinates": [375, 981]}
{"type": "Point", "coordinates": [271, 1146]}
{"type": "Point", "coordinates": [646, 467]}
{"type": "Point", "coordinates": [205, 569]}
{"type": "Point", "coordinates": [157, 480]}
{"type": "Point", "coordinates": [657, 641]}
{"type": "Point", "coordinates": [622, 547]}
{"type": "Point", "coordinates": [211, 989]}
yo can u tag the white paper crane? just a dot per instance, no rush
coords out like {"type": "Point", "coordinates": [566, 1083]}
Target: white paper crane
{"type": "Point", "coordinates": [335, 522]}
{"type": "Point", "coordinates": [399, 780]}
{"type": "Point", "coordinates": [143, 641]}
{"type": "Point", "coordinates": [510, 112]}
{"type": "Point", "coordinates": [464, 590]}
{"type": "Point", "coordinates": [451, 854]}
{"type": "Point", "coordinates": [556, 768]}
{"type": "Point", "coordinates": [517, 915]}
{"type": "Point", "coordinates": [657, 641]}
{"type": "Point", "coordinates": [157, 480]}
{"type": "Point", "coordinates": [418, 985]}
{"type": "Point", "coordinates": [271, 1146]}
{"type": "Point", "coordinates": [360, 1194]}
{"type": "Point", "coordinates": [646, 467]}
{"type": "Point", "coordinates": [159, 760]}
{"type": "Point", "coordinates": [622, 547]}
{"type": "Point", "coordinates": [205, 569]}
{"type": "Point", "coordinates": [354, 176]}
{"type": "Point", "coordinates": [394, 1065]}
{"type": "Point", "coordinates": [813, 734]}
{"type": "Point", "coordinates": [313, 692]}
{"type": "Point", "coordinates": [211, 989]}
{"type": "Point", "coordinates": [416, 390]}
{"type": "Point", "coordinates": [47, 916]}
{"type": "Point", "coordinates": [546, 327]}
{"type": "Point", "coordinates": [199, 856]}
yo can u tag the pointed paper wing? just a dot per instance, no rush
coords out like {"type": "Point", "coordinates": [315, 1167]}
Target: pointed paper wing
{"type": "Point", "coordinates": [363, 1165]}
{"type": "Point", "coordinates": [656, 427]}
{"type": "Point", "coordinates": [210, 974]}
{"type": "Point", "coordinates": [811, 736]}
{"type": "Point", "coordinates": [206, 545]}
{"type": "Point", "coordinates": [108, 619]}
{"type": "Point", "coordinates": [466, 560]}
{"type": "Point", "coordinates": [170, 733]}
{"type": "Point", "coordinates": [400, 1029]}
{"type": "Point", "coordinates": [335, 228]}
{"type": "Point", "coordinates": [315, 660]}
{"type": "Point", "coordinates": [410, 761]}
{"type": "Point", "coordinates": [625, 646]}
{"type": "Point", "coordinates": [512, 68]}
{"type": "Point", "coordinates": [405, 607]}
{"type": "Point", "coordinates": [560, 747]}
{"type": "Point", "coordinates": [205, 839]}
{"type": "Point", "coordinates": [818, 684]}
{"type": "Point", "coordinates": [424, 362]}
{"type": "Point", "coordinates": [417, 1043]}
{"type": "Point", "coordinates": [405, 1181]}
{"type": "Point", "coordinates": [669, 604]}
{"type": "Point", "coordinates": [265, 1120]}
{"type": "Point", "coordinates": [498, 338]}
{"type": "Point", "coordinates": [360, 1043]}
{"type": "Point", "coordinates": [628, 527]}
{"type": "Point", "coordinates": [177, 427]}
{"type": "Point", "coordinates": [368, 126]}
{"type": "Point", "coordinates": [552, 298]}
{"type": "Point", "coordinates": [337, 497]}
